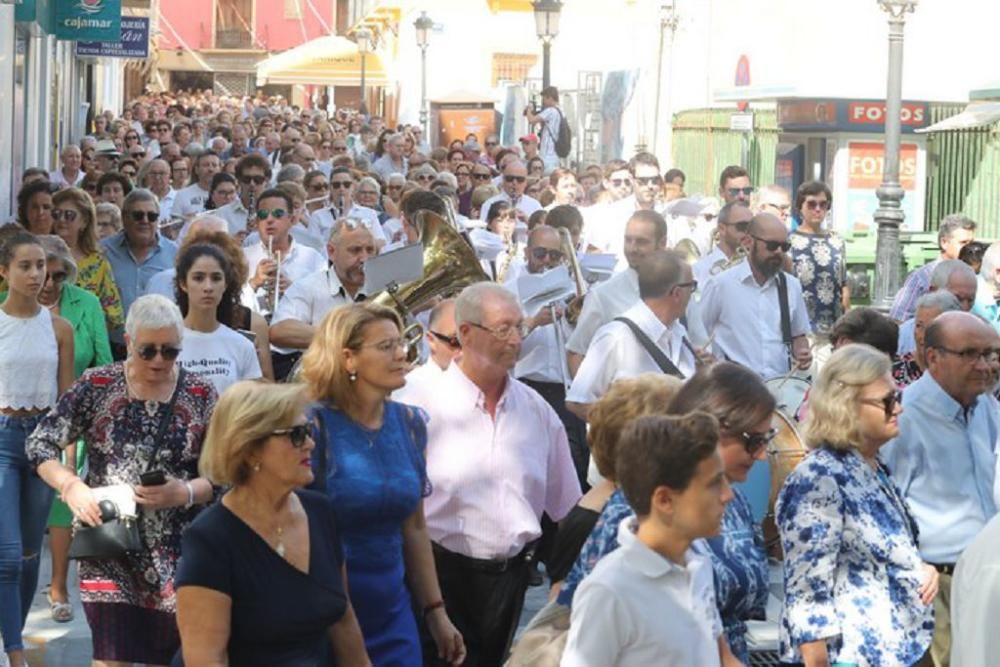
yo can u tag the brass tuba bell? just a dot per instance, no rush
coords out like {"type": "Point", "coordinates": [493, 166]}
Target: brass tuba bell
{"type": "Point", "coordinates": [689, 249]}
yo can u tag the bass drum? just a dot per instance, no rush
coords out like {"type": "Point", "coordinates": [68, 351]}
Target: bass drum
{"type": "Point", "coordinates": [790, 392]}
{"type": "Point", "coordinates": [786, 452]}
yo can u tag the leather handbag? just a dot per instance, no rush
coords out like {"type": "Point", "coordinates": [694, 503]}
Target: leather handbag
{"type": "Point", "coordinates": [118, 533]}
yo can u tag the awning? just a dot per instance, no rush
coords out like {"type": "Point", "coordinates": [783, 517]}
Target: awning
{"type": "Point", "coordinates": [977, 114]}
{"type": "Point", "coordinates": [325, 61]}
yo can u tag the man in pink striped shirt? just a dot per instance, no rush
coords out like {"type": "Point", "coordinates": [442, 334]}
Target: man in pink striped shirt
{"type": "Point", "coordinates": [497, 458]}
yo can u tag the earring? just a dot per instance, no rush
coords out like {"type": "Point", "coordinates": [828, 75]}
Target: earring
{"type": "Point", "coordinates": [352, 377]}
{"type": "Point", "coordinates": [256, 467]}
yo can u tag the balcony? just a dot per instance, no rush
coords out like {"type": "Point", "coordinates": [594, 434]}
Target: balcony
{"type": "Point", "coordinates": [233, 39]}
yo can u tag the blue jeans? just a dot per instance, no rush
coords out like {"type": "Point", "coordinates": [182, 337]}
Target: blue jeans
{"type": "Point", "coordinates": [25, 501]}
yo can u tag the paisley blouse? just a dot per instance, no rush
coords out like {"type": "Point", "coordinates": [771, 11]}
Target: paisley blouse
{"type": "Point", "coordinates": [95, 276]}
{"type": "Point", "coordinates": [852, 569]}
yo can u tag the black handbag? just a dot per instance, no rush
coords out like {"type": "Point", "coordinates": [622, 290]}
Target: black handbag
{"type": "Point", "coordinates": [118, 535]}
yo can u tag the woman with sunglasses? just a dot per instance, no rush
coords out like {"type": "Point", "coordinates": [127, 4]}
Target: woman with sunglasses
{"type": "Point", "coordinates": [856, 589]}
{"type": "Point", "coordinates": [36, 365]}
{"type": "Point", "coordinates": [819, 258]}
{"type": "Point", "coordinates": [370, 460]}
{"type": "Point", "coordinates": [119, 410]}
{"type": "Point", "coordinates": [75, 222]}
{"type": "Point", "coordinates": [263, 578]}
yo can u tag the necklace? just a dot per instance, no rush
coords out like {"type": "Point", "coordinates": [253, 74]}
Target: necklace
{"type": "Point", "coordinates": [280, 546]}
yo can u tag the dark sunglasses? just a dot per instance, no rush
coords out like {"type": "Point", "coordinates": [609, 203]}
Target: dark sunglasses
{"type": "Point", "coordinates": [61, 213]}
{"type": "Point", "coordinates": [320, 186]}
{"type": "Point", "coordinates": [515, 179]}
{"type": "Point", "coordinates": [277, 213]}
{"type": "Point", "coordinates": [341, 185]}
{"type": "Point", "coordinates": [754, 442]}
{"type": "Point", "coordinates": [541, 253]}
{"type": "Point", "coordinates": [57, 277]}
{"type": "Point", "coordinates": [648, 180]}
{"type": "Point", "coordinates": [481, 177]}
{"type": "Point", "coordinates": [735, 192]}
{"type": "Point", "coordinates": [297, 434]}
{"type": "Point", "coordinates": [139, 216]}
{"type": "Point", "coordinates": [741, 227]}
{"type": "Point", "coordinates": [812, 205]}
{"type": "Point", "coordinates": [450, 341]}
{"type": "Point", "coordinates": [149, 352]}
{"type": "Point", "coordinates": [887, 402]}
{"type": "Point", "coordinates": [137, 153]}
{"type": "Point", "coordinates": [773, 245]}
{"type": "Point", "coordinates": [256, 180]}
{"type": "Point", "coordinates": [618, 182]}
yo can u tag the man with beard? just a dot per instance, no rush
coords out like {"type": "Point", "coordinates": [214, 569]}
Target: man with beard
{"type": "Point", "coordinates": [742, 307]}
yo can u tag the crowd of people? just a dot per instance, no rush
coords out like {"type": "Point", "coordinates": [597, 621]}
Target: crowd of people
{"type": "Point", "coordinates": [208, 406]}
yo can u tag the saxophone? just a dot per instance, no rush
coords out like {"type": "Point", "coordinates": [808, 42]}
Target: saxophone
{"type": "Point", "coordinates": [511, 250]}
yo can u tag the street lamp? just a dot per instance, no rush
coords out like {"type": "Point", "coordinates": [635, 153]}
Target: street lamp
{"type": "Point", "coordinates": [669, 20]}
{"type": "Point", "coordinates": [363, 38]}
{"type": "Point", "coordinates": [546, 27]}
{"type": "Point", "coordinates": [424, 25]}
{"type": "Point", "coordinates": [889, 215]}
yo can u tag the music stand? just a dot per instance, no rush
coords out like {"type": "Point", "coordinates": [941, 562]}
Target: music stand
{"type": "Point", "coordinates": [391, 270]}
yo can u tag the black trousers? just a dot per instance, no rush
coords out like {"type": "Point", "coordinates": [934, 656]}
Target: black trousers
{"type": "Point", "coordinates": [484, 601]}
{"type": "Point", "coordinates": [554, 394]}
{"type": "Point", "coordinates": [283, 364]}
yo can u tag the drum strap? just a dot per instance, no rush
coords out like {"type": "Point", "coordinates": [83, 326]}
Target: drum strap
{"type": "Point", "coordinates": [661, 359]}
{"type": "Point", "coordinates": [786, 318]}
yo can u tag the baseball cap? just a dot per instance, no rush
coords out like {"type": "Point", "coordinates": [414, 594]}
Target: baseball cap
{"type": "Point", "coordinates": [529, 137]}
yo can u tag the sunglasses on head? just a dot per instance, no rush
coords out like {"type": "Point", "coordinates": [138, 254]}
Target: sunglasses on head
{"type": "Point", "coordinates": [277, 213]}
{"type": "Point", "coordinates": [450, 341]}
{"type": "Point", "coordinates": [139, 216]}
{"type": "Point", "coordinates": [149, 352]}
{"type": "Point", "coordinates": [297, 434]}
{"type": "Point", "coordinates": [515, 179]}
{"type": "Point", "coordinates": [735, 192]}
{"type": "Point", "coordinates": [887, 402]}
{"type": "Point", "coordinates": [773, 245]}
{"type": "Point", "coordinates": [64, 213]}
{"type": "Point", "coordinates": [813, 205]}
{"type": "Point", "coordinates": [541, 253]}
{"type": "Point", "coordinates": [648, 180]}
{"type": "Point", "coordinates": [256, 180]}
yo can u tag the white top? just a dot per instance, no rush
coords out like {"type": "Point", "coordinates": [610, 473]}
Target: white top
{"type": "Point", "coordinates": [59, 179]}
{"type": "Point", "coordinates": [223, 357]}
{"type": "Point", "coordinates": [167, 204]}
{"type": "Point", "coordinates": [492, 479]}
{"type": "Point", "coordinates": [604, 227]}
{"type": "Point", "coordinates": [298, 263]}
{"type": "Point", "coordinates": [694, 228]}
{"type": "Point", "coordinates": [540, 354]}
{"type": "Point", "coordinates": [29, 361]}
{"type": "Point", "coordinates": [746, 319]}
{"type": "Point", "coordinates": [615, 354]}
{"type": "Point", "coordinates": [321, 221]}
{"type": "Point", "coordinates": [385, 167]}
{"type": "Point", "coordinates": [420, 376]}
{"type": "Point", "coordinates": [235, 214]}
{"type": "Point", "coordinates": [189, 201]}
{"type": "Point", "coordinates": [603, 303]}
{"type": "Point", "coordinates": [638, 609]}
{"type": "Point", "coordinates": [309, 300]}
{"type": "Point", "coordinates": [702, 269]}
{"type": "Point", "coordinates": [907, 337]}
{"type": "Point", "coordinates": [549, 132]}
{"type": "Point", "coordinates": [525, 204]}
{"type": "Point", "coordinates": [975, 600]}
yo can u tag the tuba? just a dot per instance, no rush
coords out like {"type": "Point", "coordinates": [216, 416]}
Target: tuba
{"type": "Point", "coordinates": [689, 250]}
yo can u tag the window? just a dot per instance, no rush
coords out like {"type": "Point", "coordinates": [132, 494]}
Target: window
{"type": "Point", "coordinates": [233, 24]}
{"type": "Point", "coordinates": [293, 9]}
{"type": "Point", "coordinates": [512, 66]}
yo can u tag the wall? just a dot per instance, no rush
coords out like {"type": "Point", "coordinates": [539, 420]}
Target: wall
{"type": "Point", "coordinates": [186, 23]}
{"type": "Point", "coordinates": [191, 22]}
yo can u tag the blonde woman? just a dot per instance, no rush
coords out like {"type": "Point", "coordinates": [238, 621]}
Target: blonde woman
{"type": "Point", "coordinates": [856, 589]}
{"type": "Point", "coordinates": [263, 580]}
{"type": "Point", "coordinates": [74, 220]}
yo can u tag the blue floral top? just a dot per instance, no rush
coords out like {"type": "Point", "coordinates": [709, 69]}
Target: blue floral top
{"type": "Point", "coordinates": [602, 541]}
{"type": "Point", "coordinates": [852, 569]}
{"type": "Point", "coordinates": [819, 262]}
{"type": "Point", "coordinates": [739, 566]}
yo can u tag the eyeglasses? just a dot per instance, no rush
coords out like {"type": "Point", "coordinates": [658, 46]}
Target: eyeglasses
{"type": "Point", "coordinates": [57, 277]}
{"type": "Point", "coordinates": [554, 254]}
{"type": "Point", "coordinates": [971, 355]}
{"type": "Point", "coordinates": [389, 345]}
{"type": "Point", "coordinates": [461, 173]}
{"type": "Point", "coordinates": [256, 180]}
{"type": "Point", "coordinates": [481, 177]}
{"type": "Point", "coordinates": [619, 182]}
{"type": "Point", "coordinates": [60, 213]}
{"type": "Point", "coordinates": [693, 284]}
{"type": "Point", "coordinates": [138, 153]}
{"type": "Point", "coordinates": [276, 213]}
{"type": "Point", "coordinates": [514, 179]}
{"type": "Point", "coordinates": [773, 245]}
{"type": "Point", "coordinates": [450, 341]}
{"type": "Point", "coordinates": [341, 185]}
{"type": "Point", "coordinates": [361, 193]}
{"type": "Point", "coordinates": [648, 180]}
{"type": "Point", "coordinates": [139, 216]}
{"type": "Point", "coordinates": [741, 227]}
{"type": "Point", "coordinates": [320, 186]}
{"type": "Point", "coordinates": [505, 331]}
{"type": "Point", "coordinates": [887, 402]}
{"type": "Point", "coordinates": [297, 434]}
{"type": "Point", "coordinates": [822, 205]}
{"type": "Point", "coordinates": [780, 208]}
{"type": "Point", "coordinates": [736, 192]}
{"type": "Point", "coordinates": [149, 352]}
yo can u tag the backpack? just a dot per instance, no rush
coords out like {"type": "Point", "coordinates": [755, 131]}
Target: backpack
{"type": "Point", "coordinates": [563, 142]}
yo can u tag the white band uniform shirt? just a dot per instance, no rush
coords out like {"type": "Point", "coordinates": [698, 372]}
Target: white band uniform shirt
{"type": "Point", "coordinates": [235, 214]}
{"type": "Point", "coordinates": [525, 204]}
{"type": "Point", "coordinates": [615, 354]}
{"type": "Point", "coordinates": [604, 302]}
{"type": "Point", "coordinates": [746, 319]}
{"type": "Point", "coordinates": [309, 300]}
{"type": "Point", "coordinates": [541, 356]}
{"type": "Point", "coordinates": [296, 264]}
{"type": "Point", "coordinates": [189, 201]}
{"type": "Point", "coordinates": [492, 479]}
{"type": "Point", "coordinates": [637, 608]}
{"type": "Point", "coordinates": [321, 221]}
{"type": "Point", "coordinates": [223, 357]}
{"type": "Point", "coordinates": [702, 269]}
{"type": "Point", "coordinates": [975, 600]}
{"type": "Point", "coordinates": [604, 227]}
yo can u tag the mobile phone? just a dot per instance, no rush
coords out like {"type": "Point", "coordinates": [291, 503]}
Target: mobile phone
{"type": "Point", "coordinates": [153, 478]}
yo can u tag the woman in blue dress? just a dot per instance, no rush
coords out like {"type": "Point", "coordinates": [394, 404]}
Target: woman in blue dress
{"type": "Point", "coordinates": [856, 590]}
{"type": "Point", "coordinates": [370, 460]}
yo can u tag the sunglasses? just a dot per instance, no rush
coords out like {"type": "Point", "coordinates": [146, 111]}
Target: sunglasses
{"type": "Point", "coordinates": [138, 153]}
{"type": "Point", "coordinates": [320, 186]}
{"type": "Point", "coordinates": [481, 177]}
{"type": "Point", "coordinates": [461, 173]}
{"type": "Point", "coordinates": [515, 179]}
{"type": "Point", "coordinates": [341, 185]}
{"type": "Point", "coordinates": [618, 182]}
{"type": "Point", "coordinates": [149, 352]}
{"type": "Point", "coordinates": [693, 284]}
{"type": "Point", "coordinates": [735, 192]}
{"type": "Point", "coordinates": [148, 216]}
{"type": "Point", "coordinates": [754, 442]}
{"type": "Point", "coordinates": [741, 227]}
{"type": "Point", "coordinates": [276, 213]}
{"type": "Point", "coordinates": [648, 180]}
{"type": "Point", "coordinates": [813, 205]}
{"type": "Point", "coordinates": [297, 434]}
{"type": "Point", "coordinates": [256, 180]}
{"type": "Point", "coordinates": [57, 277]}
{"type": "Point", "coordinates": [492, 143]}
{"type": "Point", "coordinates": [887, 402]}
{"type": "Point", "coordinates": [63, 213]}
{"type": "Point", "coordinates": [450, 341]}
{"type": "Point", "coordinates": [773, 245]}
{"type": "Point", "coordinates": [541, 253]}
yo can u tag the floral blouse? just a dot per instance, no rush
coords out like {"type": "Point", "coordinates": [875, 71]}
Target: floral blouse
{"type": "Point", "coordinates": [819, 262]}
{"type": "Point", "coordinates": [95, 276]}
{"type": "Point", "coordinates": [905, 370]}
{"type": "Point", "coordinates": [852, 569]}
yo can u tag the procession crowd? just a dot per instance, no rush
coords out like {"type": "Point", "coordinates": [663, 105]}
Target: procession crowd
{"type": "Point", "coordinates": [254, 458]}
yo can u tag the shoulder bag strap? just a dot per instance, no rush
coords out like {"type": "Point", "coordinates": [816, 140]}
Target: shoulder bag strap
{"type": "Point", "coordinates": [656, 353]}
{"type": "Point", "coordinates": [165, 419]}
{"type": "Point", "coordinates": [786, 319]}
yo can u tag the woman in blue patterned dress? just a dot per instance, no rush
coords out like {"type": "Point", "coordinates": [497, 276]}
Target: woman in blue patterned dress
{"type": "Point", "coordinates": [819, 258]}
{"type": "Point", "coordinates": [369, 458]}
{"type": "Point", "coordinates": [856, 590]}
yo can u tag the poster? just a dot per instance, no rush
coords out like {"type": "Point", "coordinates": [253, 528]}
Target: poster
{"type": "Point", "coordinates": [864, 175]}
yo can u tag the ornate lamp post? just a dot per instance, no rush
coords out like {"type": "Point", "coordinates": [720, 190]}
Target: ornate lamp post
{"type": "Point", "coordinates": [889, 215]}
{"type": "Point", "coordinates": [363, 38]}
{"type": "Point", "coordinates": [546, 27]}
{"type": "Point", "coordinates": [424, 25]}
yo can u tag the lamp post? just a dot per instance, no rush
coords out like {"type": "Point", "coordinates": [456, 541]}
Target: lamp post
{"type": "Point", "coordinates": [424, 25]}
{"type": "Point", "coordinates": [889, 215]}
{"type": "Point", "coordinates": [669, 20]}
{"type": "Point", "coordinates": [546, 27]}
{"type": "Point", "coordinates": [363, 38]}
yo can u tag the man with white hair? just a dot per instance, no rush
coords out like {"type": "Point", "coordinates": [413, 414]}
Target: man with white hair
{"type": "Point", "coordinates": [499, 458]}
{"type": "Point", "coordinates": [953, 275]}
{"type": "Point", "coordinates": [71, 173]}
{"type": "Point", "coordinates": [392, 161]}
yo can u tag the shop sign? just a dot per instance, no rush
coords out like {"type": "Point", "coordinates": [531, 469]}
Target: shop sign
{"type": "Point", "coordinates": [847, 115]}
{"type": "Point", "coordinates": [94, 20]}
{"type": "Point", "coordinates": [134, 42]}
{"type": "Point", "coordinates": [865, 162]}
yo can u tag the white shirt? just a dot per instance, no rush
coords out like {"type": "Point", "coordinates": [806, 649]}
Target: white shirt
{"type": "Point", "coordinates": [300, 233]}
{"type": "Point", "coordinates": [321, 221]}
{"type": "Point", "coordinates": [975, 600]}
{"type": "Point", "coordinates": [907, 337]}
{"type": "Point", "coordinates": [703, 267]}
{"type": "Point", "coordinates": [525, 204]}
{"type": "Point", "coordinates": [59, 179]}
{"type": "Point", "coordinates": [223, 357]}
{"type": "Point", "coordinates": [167, 204]}
{"type": "Point", "coordinates": [548, 133]}
{"type": "Point", "coordinates": [235, 214]}
{"type": "Point", "coordinates": [299, 262]}
{"type": "Point", "coordinates": [189, 201]}
{"type": "Point", "coordinates": [421, 376]}
{"type": "Point", "coordinates": [492, 479]}
{"type": "Point", "coordinates": [604, 227]}
{"type": "Point", "coordinates": [603, 303]}
{"type": "Point", "coordinates": [615, 354]}
{"type": "Point", "coordinates": [638, 609]}
{"type": "Point", "coordinates": [694, 228]}
{"type": "Point", "coordinates": [746, 319]}
{"type": "Point", "coordinates": [309, 300]}
{"type": "Point", "coordinates": [542, 357]}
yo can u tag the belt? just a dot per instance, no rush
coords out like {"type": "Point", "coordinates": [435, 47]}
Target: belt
{"type": "Point", "coordinates": [944, 568]}
{"type": "Point", "coordinates": [487, 566]}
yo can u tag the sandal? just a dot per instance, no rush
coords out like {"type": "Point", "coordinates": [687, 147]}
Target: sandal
{"type": "Point", "coordinates": [62, 612]}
